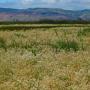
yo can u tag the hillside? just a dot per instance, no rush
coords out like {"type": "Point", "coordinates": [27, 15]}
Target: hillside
{"type": "Point", "coordinates": [35, 14]}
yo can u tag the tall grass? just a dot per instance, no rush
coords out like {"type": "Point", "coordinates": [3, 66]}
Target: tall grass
{"type": "Point", "coordinates": [84, 32]}
{"type": "Point", "coordinates": [66, 45]}
{"type": "Point", "coordinates": [45, 59]}
{"type": "Point", "coordinates": [3, 43]}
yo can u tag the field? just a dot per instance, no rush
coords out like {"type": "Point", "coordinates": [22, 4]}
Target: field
{"type": "Point", "coordinates": [45, 57]}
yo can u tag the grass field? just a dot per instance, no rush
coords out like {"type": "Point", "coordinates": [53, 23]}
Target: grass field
{"type": "Point", "coordinates": [45, 57]}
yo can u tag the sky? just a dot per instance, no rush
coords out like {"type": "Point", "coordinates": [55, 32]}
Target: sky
{"type": "Point", "coordinates": [64, 4]}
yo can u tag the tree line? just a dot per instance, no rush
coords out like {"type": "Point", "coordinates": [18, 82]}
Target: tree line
{"type": "Point", "coordinates": [46, 21]}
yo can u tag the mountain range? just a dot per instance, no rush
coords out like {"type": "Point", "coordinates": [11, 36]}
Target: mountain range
{"type": "Point", "coordinates": [36, 14]}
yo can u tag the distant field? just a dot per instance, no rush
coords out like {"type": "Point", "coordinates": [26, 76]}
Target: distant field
{"type": "Point", "coordinates": [45, 57]}
{"type": "Point", "coordinates": [38, 26]}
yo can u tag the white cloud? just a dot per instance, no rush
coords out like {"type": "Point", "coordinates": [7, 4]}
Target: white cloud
{"type": "Point", "coordinates": [26, 1]}
{"type": "Point", "coordinates": [49, 1]}
{"type": "Point", "coordinates": [66, 4]}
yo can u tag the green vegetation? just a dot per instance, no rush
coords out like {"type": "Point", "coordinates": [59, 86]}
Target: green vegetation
{"type": "Point", "coordinates": [47, 21]}
{"type": "Point", "coordinates": [3, 43]}
{"type": "Point", "coordinates": [45, 57]}
{"type": "Point", "coordinates": [66, 45]}
{"type": "Point", "coordinates": [84, 32]}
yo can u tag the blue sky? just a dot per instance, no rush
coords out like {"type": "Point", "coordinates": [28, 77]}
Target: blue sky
{"type": "Point", "coordinates": [65, 4]}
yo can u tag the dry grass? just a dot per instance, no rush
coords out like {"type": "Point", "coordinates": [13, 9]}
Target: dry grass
{"type": "Point", "coordinates": [28, 60]}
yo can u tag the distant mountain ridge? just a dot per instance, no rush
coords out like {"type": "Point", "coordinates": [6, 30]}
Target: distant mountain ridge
{"type": "Point", "coordinates": [35, 14]}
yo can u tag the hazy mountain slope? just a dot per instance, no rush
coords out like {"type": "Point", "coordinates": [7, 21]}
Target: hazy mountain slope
{"type": "Point", "coordinates": [35, 14]}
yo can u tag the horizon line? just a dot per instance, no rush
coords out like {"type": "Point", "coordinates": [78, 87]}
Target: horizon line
{"type": "Point", "coordinates": [43, 8]}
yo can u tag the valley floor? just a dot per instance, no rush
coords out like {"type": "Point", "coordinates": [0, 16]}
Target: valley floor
{"type": "Point", "coordinates": [55, 58]}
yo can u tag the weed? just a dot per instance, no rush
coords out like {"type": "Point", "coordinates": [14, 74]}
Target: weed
{"type": "Point", "coordinates": [66, 45]}
{"type": "Point", "coordinates": [19, 35]}
{"type": "Point", "coordinates": [14, 44]}
{"type": "Point", "coordinates": [3, 44]}
{"type": "Point", "coordinates": [84, 32]}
